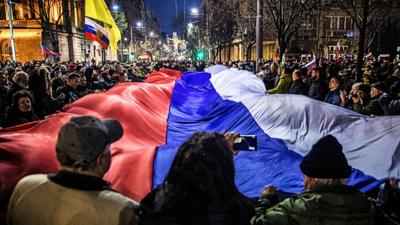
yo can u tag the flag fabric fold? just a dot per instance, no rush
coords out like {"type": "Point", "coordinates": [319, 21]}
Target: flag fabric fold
{"type": "Point", "coordinates": [311, 65]}
{"type": "Point", "coordinates": [161, 113]}
{"type": "Point", "coordinates": [97, 9]}
{"type": "Point", "coordinates": [95, 32]}
{"type": "Point", "coordinates": [47, 51]}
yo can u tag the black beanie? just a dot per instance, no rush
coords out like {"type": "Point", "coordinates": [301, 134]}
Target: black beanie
{"type": "Point", "coordinates": [326, 160]}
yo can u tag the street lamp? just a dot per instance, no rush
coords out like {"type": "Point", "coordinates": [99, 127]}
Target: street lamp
{"type": "Point", "coordinates": [125, 38]}
{"type": "Point", "coordinates": [151, 34]}
{"type": "Point", "coordinates": [190, 25]}
{"type": "Point", "coordinates": [139, 24]}
{"type": "Point", "coordinates": [115, 7]}
{"type": "Point", "coordinates": [194, 11]}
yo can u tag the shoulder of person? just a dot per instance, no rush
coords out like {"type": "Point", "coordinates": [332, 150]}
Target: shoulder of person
{"type": "Point", "coordinates": [31, 181]}
{"type": "Point", "coordinates": [119, 198]}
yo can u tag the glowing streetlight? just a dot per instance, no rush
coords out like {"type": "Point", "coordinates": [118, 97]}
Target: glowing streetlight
{"type": "Point", "coordinates": [194, 11]}
{"type": "Point", "coordinates": [125, 38]}
{"type": "Point", "coordinates": [190, 25]}
{"type": "Point", "coordinates": [139, 24]}
{"type": "Point", "coordinates": [115, 7]}
{"type": "Point", "coordinates": [151, 34]}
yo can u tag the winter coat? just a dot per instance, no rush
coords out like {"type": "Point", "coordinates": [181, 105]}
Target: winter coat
{"type": "Point", "coordinates": [332, 205]}
{"type": "Point", "coordinates": [318, 89]}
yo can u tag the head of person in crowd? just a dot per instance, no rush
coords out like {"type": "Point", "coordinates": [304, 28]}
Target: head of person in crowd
{"type": "Point", "coordinates": [274, 68]}
{"type": "Point", "coordinates": [72, 67]}
{"type": "Point", "coordinates": [3, 80]}
{"type": "Point", "coordinates": [395, 89]}
{"type": "Point", "coordinates": [325, 164]}
{"type": "Point", "coordinates": [201, 179]}
{"type": "Point", "coordinates": [73, 80]}
{"type": "Point", "coordinates": [377, 89]}
{"type": "Point", "coordinates": [22, 101]}
{"type": "Point", "coordinates": [296, 75]}
{"type": "Point", "coordinates": [286, 71]}
{"type": "Point", "coordinates": [21, 79]}
{"type": "Point", "coordinates": [89, 72]}
{"type": "Point", "coordinates": [44, 81]}
{"type": "Point", "coordinates": [82, 81]}
{"type": "Point", "coordinates": [204, 164]}
{"type": "Point", "coordinates": [316, 73]}
{"type": "Point", "coordinates": [334, 83]}
{"type": "Point", "coordinates": [63, 69]}
{"type": "Point", "coordinates": [105, 75]}
{"type": "Point", "coordinates": [354, 88]}
{"type": "Point", "coordinates": [364, 91]}
{"type": "Point", "coordinates": [83, 144]}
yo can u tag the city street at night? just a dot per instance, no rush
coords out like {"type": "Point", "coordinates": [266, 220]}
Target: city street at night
{"type": "Point", "coordinates": [199, 112]}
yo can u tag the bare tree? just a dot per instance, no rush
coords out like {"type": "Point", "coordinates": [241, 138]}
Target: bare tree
{"type": "Point", "coordinates": [179, 23]}
{"type": "Point", "coordinates": [244, 12]}
{"type": "Point", "coordinates": [284, 17]}
{"type": "Point", "coordinates": [368, 17]}
{"type": "Point", "coordinates": [218, 26]}
{"type": "Point", "coordinates": [43, 11]}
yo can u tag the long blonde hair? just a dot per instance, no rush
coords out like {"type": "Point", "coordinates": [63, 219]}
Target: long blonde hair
{"type": "Point", "coordinates": [310, 183]}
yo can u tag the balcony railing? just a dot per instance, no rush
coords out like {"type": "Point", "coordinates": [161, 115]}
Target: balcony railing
{"type": "Point", "coordinates": [20, 24]}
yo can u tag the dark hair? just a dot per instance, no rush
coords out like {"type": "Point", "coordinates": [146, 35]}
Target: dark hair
{"type": "Point", "coordinates": [73, 76]}
{"type": "Point", "coordinates": [203, 171]}
{"type": "Point", "coordinates": [298, 74]}
{"type": "Point", "coordinates": [20, 94]}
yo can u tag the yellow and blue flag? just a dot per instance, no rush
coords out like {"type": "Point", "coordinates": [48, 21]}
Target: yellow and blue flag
{"type": "Point", "coordinates": [97, 9]}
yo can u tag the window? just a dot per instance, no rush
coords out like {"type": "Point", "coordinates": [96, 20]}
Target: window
{"type": "Point", "coordinates": [349, 23]}
{"type": "Point", "coordinates": [327, 22]}
{"type": "Point", "coordinates": [342, 23]}
{"type": "Point", "coordinates": [334, 23]}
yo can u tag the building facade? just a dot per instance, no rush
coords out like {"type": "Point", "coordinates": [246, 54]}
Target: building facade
{"type": "Point", "coordinates": [56, 23]}
{"type": "Point", "coordinates": [326, 33]}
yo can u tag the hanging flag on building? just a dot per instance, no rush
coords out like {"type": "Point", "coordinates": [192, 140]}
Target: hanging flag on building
{"type": "Point", "coordinates": [95, 32]}
{"type": "Point", "coordinates": [97, 9]}
{"type": "Point", "coordinates": [47, 51]}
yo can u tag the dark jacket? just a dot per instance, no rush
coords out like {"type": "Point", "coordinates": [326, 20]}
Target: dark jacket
{"type": "Point", "coordinates": [372, 108]}
{"type": "Point", "coordinates": [186, 209]}
{"type": "Point", "coordinates": [71, 94]}
{"type": "Point", "coordinates": [83, 90]}
{"type": "Point", "coordinates": [318, 89]}
{"type": "Point", "coordinates": [333, 97]}
{"type": "Point", "coordinates": [15, 117]}
{"type": "Point", "coordinates": [325, 205]}
{"type": "Point", "coordinates": [390, 105]}
{"type": "Point", "coordinates": [269, 80]}
{"type": "Point", "coordinates": [298, 87]}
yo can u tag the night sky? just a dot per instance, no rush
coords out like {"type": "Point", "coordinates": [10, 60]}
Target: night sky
{"type": "Point", "coordinates": [165, 11]}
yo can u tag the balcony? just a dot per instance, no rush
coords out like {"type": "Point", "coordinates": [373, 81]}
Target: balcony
{"type": "Point", "coordinates": [20, 24]}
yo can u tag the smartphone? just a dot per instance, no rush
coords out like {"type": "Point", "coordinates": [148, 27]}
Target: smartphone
{"type": "Point", "coordinates": [246, 143]}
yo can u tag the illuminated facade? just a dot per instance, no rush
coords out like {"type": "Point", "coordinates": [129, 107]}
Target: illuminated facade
{"type": "Point", "coordinates": [57, 23]}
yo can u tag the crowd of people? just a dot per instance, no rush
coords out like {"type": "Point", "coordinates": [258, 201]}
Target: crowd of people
{"type": "Point", "coordinates": [375, 92]}
{"type": "Point", "coordinates": [199, 188]}
{"type": "Point", "coordinates": [34, 90]}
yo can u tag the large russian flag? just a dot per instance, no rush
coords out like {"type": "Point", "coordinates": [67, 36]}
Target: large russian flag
{"type": "Point", "coordinates": [159, 114]}
{"type": "Point", "coordinates": [95, 32]}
